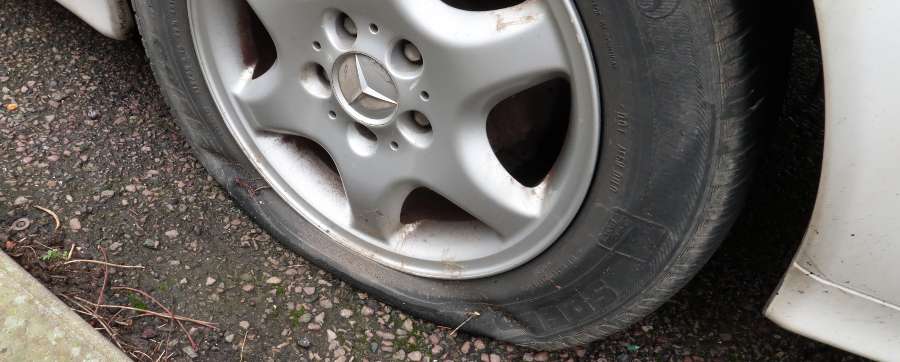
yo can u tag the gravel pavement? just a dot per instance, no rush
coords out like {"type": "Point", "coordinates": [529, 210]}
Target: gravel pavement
{"type": "Point", "coordinates": [91, 138]}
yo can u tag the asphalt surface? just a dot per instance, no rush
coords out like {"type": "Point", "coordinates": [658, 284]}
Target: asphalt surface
{"type": "Point", "coordinates": [91, 139]}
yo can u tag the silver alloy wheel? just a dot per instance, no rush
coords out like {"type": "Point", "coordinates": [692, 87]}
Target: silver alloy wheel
{"type": "Point", "coordinates": [347, 78]}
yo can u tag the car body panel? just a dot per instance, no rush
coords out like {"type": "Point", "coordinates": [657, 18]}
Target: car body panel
{"type": "Point", "coordinates": [112, 18]}
{"type": "Point", "coordinates": [843, 286]}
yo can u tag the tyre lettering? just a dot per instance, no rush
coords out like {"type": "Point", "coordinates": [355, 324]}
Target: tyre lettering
{"type": "Point", "coordinates": [552, 317]}
{"type": "Point", "coordinates": [657, 9]}
{"type": "Point", "coordinates": [616, 178]}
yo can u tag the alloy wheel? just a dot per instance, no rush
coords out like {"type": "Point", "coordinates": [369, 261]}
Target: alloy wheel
{"type": "Point", "coordinates": [438, 140]}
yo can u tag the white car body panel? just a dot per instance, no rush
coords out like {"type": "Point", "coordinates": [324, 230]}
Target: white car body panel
{"type": "Point", "coordinates": [843, 287]}
{"type": "Point", "coordinates": [112, 18]}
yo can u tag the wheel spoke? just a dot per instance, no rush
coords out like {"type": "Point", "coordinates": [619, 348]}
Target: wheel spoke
{"type": "Point", "coordinates": [291, 23]}
{"type": "Point", "coordinates": [277, 102]}
{"type": "Point", "coordinates": [375, 194]}
{"type": "Point", "coordinates": [470, 175]}
{"type": "Point", "coordinates": [485, 57]}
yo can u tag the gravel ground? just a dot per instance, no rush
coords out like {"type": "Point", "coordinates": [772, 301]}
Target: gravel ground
{"type": "Point", "coordinates": [92, 140]}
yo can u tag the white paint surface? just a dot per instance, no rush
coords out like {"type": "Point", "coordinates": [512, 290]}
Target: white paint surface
{"type": "Point", "coordinates": [844, 285]}
{"type": "Point", "coordinates": [112, 18]}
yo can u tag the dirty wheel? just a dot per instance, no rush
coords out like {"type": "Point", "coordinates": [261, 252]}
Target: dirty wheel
{"type": "Point", "coordinates": [457, 156]}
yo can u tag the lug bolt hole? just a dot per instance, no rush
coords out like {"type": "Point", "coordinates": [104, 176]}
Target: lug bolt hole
{"type": "Point", "coordinates": [412, 53]}
{"type": "Point", "coordinates": [348, 25]}
{"type": "Point", "coordinates": [395, 146]}
{"type": "Point", "coordinates": [373, 28]}
{"type": "Point", "coordinates": [425, 96]}
{"type": "Point", "coordinates": [315, 80]}
{"type": "Point", "coordinates": [332, 114]}
{"type": "Point", "coordinates": [317, 46]}
{"type": "Point", "coordinates": [362, 140]}
{"type": "Point", "coordinates": [406, 59]}
{"type": "Point", "coordinates": [416, 128]}
{"type": "Point", "coordinates": [421, 121]}
{"type": "Point", "coordinates": [365, 132]}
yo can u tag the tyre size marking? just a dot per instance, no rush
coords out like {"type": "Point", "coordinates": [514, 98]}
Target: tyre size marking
{"type": "Point", "coordinates": [610, 50]}
{"type": "Point", "coordinates": [595, 7]}
{"type": "Point", "coordinates": [549, 275]}
{"type": "Point", "coordinates": [616, 178]}
{"type": "Point", "coordinates": [657, 9]}
{"type": "Point", "coordinates": [622, 121]}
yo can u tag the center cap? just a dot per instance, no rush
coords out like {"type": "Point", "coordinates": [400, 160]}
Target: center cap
{"type": "Point", "coordinates": [365, 89]}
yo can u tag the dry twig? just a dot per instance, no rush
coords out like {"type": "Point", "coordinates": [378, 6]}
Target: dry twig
{"type": "Point", "coordinates": [152, 313]}
{"type": "Point", "coordinates": [105, 278]}
{"type": "Point", "coordinates": [41, 244]}
{"type": "Point", "coordinates": [472, 315]}
{"type": "Point", "coordinates": [95, 316]}
{"type": "Point", "coordinates": [32, 250]}
{"type": "Point", "coordinates": [243, 342]}
{"type": "Point", "coordinates": [165, 309]}
{"type": "Point", "coordinates": [52, 214]}
{"type": "Point", "coordinates": [103, 263]}
{"type": "Point", "coordinates": [143, 354]}
{"type": "Point", "coordinates": [164, 357]}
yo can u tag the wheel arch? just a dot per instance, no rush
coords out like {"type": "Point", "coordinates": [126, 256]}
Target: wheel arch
{"type": "Point", "coordinates": [112, 18]}
{"type": "Point", "coordinates": [838, 288]}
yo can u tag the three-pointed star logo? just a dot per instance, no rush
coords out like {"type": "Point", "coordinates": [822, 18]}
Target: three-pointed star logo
{"type": "Point", "coordinates": [367, 86]}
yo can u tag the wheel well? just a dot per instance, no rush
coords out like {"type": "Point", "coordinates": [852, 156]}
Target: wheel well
{"type": "Point", "coordinates": [783, 192]}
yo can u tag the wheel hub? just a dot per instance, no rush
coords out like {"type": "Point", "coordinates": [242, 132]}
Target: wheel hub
{"type": "Point", "coordinates": [365, 89]}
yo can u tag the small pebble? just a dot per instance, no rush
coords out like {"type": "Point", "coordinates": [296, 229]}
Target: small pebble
{"type": "Point", "coordinates": [414, 356]}
{"type": "Point", "coordinates": [466, 347]}
{"type": "Point", "coordinates": [325, 303]}
{"type": "Point", "coordinates": [304, 342]}
{"type": "Point", "coordinates": [148, 332]}
{"type": "Point", "coordinates": [189, 352]}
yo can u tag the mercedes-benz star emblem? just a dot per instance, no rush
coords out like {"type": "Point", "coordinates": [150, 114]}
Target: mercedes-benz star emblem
{"type": "Point", "coordinates": [365, 89]}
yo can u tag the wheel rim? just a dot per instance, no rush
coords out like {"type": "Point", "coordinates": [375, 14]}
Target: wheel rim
{"type": "Point", "coordinates": [398, 93]}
